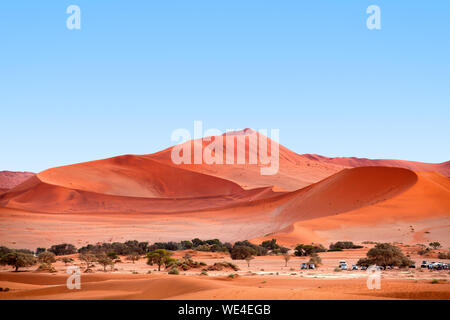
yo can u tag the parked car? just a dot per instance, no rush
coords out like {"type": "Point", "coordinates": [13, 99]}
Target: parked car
{"type": "Point", "coordinates": [354, 267]}
{"type": "Point", "coordinates": [343, 266]}
{"type": "Point", "coordinates": [363, 267]}
{"type": "Point", "coordinates": [304, 266]}
{"type": "Point", "coordinates": [424, 264]}
{"type": "Point", "coordinates": [311, 266]}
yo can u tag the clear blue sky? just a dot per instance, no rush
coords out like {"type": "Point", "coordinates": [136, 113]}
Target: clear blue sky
{"type": "Point", "coordinates": [137, 70]}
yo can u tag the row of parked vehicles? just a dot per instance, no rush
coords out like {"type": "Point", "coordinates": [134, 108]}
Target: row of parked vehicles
{"type": "Point", "coordinates": [343, 266]}
{"type": "Point", "coordinates": [435, 265]}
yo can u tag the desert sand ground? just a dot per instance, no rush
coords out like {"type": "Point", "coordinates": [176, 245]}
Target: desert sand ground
{"type": "Point", "coordinates": [266, 278]}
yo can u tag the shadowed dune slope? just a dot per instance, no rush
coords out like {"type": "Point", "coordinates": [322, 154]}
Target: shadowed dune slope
{"type": "Point", "coordinates": [423, 204]}
{"type": "Point", "coordinates": [347, 190]}
{"type": "Point", "coordinates": [37, 196]}
{"type": "Point", "coordinates": [137, 176]}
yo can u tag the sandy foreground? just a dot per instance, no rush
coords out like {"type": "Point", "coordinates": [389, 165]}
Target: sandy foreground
{"type": "Point", "coordinates": [266, 278]}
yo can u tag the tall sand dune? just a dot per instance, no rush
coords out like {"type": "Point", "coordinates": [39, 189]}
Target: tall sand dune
{"type": "Point", "coordinates": [295, 171]}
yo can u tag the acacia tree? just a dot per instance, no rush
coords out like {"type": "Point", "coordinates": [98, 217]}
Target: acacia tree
{"type": "Point", "coordinates": [315, 259]}
{"type": "Point", "coordinates": [18, 260]}
{"type": "Point", "coordinates": [159, 257]}
{"type": "Point", "coordinates": [104, 261]}
{"type": "Point", "coordinates": [88, 258]}
{"type": "Point", "coordinates": [385, 254]}
{"type": "Point", "coordinates": [249, 259]}
{"type": "Point", "coordinates": [286, 257]}
{"type": "Point", "coordinates": [435, 245]}
{"type": "Point", "coordinates": [134, 257]}
{"type": "Point", "coordinates": [46, 257]}
{"type": "Point", "coordinates": [242, 252]}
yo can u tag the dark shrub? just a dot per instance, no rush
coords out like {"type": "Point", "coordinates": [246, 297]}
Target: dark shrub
{"type": "Point", "coordinates": [344, 245]}
{"type": "Point", "coordinates": [385, 254]}
{"type": "Point", "coordinates": [242, 252]}
{"type": "Point", "coordinates": [39, 250]}
{"type": "Point", "coordinates": [308, 249]}
{"type": "Point", "coordinates": [197, 242]}
{"type": "Point", "coordinates": [270, 244]}
{"type": "Point", "coordinates": [63, 249]}
{"type": "Point", "coordinates": [260, 251]}
{"type": "Point", "coordinates": [186, 244]}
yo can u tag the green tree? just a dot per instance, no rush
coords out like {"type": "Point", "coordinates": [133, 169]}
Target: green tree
{"type": "Point", "coordinates": [46, 257]}
{"type": "Point", "coordinates": [385, 254]}
{"type": "Point", "coordinates": [435, 245]}
{"type": "Point", "coordinates": [87, 258]}
{"type": "Point", "coordinates": [112, 255]}
{"type": "Point", "coordinates": [315, 259]}
{"type": "Point", "coordinates": [249, 259]}
{"type": "Point", "coordinates": [197, 242]}
{"type": "Point", "coordinates": [63, 249]}
{"type": "Point", "coordinates": [186, 244]}
{"type": "Point", "coordinates": [104, 260]}
{"type": "Point", "coordinates": [133, 257]}
{"type": "Point", "coordinates": [308, 249]}
{"type": "Point", "coordinates": [18, 260]}
{"type": "Point", "coordinates": [159, 257]}
{"type": "Point", "coordinates": [39, 250]}
{"type": "Point", "coordinates": [270, 244]}
{"type": "Point", "coordinates": [242, 252]}
{"type": "Point", "coordinates": [286, 257]}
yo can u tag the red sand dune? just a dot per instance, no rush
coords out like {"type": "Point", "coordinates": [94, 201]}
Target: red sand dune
{"type": "Point", "coordinates": [442, 168]}
{"type": "Point", "coordinates": [309, 199]}
{"type": "Point", "coordinates": [137, 176]}
{"type": "Point", "coordinates": [295, 171]}
{"type": "Point", "coordinates": [10, 179]}
{"type": "Point", "coordinates": [421, 200]}
{"type": "Point", "coordinates": [37, 196]}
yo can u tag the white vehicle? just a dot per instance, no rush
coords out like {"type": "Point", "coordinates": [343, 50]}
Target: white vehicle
{"type": "Point", "coordinates": [343, 266]}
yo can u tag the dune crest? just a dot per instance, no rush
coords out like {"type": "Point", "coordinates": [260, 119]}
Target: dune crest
{"type": "Point", "coordinates": [442, 168]}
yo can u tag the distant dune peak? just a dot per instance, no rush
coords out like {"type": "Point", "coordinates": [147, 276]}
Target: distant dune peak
{"type": "Point", "coordinates": [243, 132]}
{"type": "Point", "coordinates": [352, 162]}
{"type": "Point", "coordinates": [10, 179]}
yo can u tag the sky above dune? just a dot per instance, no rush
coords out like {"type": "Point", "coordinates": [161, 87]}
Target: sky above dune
{"type": "Point", "coordinates": [137, 70]}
